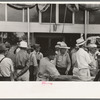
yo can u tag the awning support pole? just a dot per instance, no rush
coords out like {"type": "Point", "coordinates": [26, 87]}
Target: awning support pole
{"type": "Point", "coordinates": [28, 23]}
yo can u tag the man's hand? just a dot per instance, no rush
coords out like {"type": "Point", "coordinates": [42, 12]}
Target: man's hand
{"type": "Point", "coordinates": [66, 72]}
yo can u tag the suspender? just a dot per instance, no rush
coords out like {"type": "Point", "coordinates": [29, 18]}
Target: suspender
{"type": "Point", "coordinates": [0, 62]}
{"type": "Point", "coordinates": [2, 59]}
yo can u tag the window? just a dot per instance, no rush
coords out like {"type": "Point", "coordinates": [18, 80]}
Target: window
{"type": "Point", "coordinates": [62, 14]}
{"type": "Point", "coordinates": [94, 17]}
{"type": "Point", "coordinates": [14, 14]}
{"type": "Point", "coordinates": [34, 15]}
{"type": "Point", "coordinates": [2, 12]}
{"type": "Point", "coordinates": [79, 17]}
{"type": "Point", "coordinates": [46, 14]}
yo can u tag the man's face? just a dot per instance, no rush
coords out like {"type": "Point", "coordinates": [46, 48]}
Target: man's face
{"type": "Point", "coordinates": [63, 50]}
{"type": "Point", "coordinates": [38, 49]}
{"type": "Point", "coordinates": [93, 50]}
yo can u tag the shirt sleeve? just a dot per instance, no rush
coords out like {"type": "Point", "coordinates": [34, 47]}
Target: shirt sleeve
{"type": "Point", "coordinates": [10, 63]}
{"type": "Point", "coordinates": [52, 70]}
{"type": "Point", "coordinates": [87, 57]}
{"type": "Point", "coordinates": [68, 59]}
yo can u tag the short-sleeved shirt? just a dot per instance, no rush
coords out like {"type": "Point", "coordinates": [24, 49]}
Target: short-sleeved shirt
{"type": "Point", "coordinates": [33, 60]}
{"type": "Point", "coordinates": [6, 66]}
{"type": "Point", "coordinates": [94, 61]}
{"type": "Point", "coordinates": [11, 54]}
{"type": "Point", "coordinates": [62, 61]}
{"type": "Point", "coordinates": [22, 58]}
{"type": "Point", "coordinates": [39, 55]}
{"type": "Point", "coordinates": [83, 58]}
{"type": "Point", "coordinates": [47, 68]}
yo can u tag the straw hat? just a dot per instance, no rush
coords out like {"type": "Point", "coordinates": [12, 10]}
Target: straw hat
{"type": "Point", "coordinates": [23, 44]}
{"type": "Point", "coordinates": [92, 45]}
{"type": "Point", "coordinates": [80, 41]}
{"type": "Point", "coordinates": [64, 45]}
{"type": "Point", "coordinates": [58, 45]}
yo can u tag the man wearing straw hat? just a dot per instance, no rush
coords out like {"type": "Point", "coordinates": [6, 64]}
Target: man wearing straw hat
{"type": "Point", "coordinates": [92, 53]}
{"type": "Point", "coordinates": [22, 63]}
{"type": "Point", "coordinates": [63, 62]}
{"type": "Point", "coordinates": [83, 61]}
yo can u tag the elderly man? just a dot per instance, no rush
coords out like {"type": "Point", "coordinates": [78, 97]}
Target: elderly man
{"type": "Point", "coordinates": [6, 65]}
{"type": "Point", "coordinates": [92, 53]}
{"type": "Point", "coordinates": [62, 60]}
{"type": "Point", "coordinates": [83, 61]}
{"type": "Point", "coordinates": [22, 63]}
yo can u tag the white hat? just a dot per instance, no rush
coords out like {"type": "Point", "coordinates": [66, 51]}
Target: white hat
{"type": "Point", "coordinates": [23, 44]}
{"type": "Point", "coordinates": [64, 45]}
{"type": "Point", "coordinates": [92, 45]}
{"type": "Point", "coordinates": [80, 41]}
{"type": "Point", "coordinates": [58, 44]}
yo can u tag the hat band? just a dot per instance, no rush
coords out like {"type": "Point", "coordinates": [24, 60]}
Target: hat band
{"type": "Point", "coordinates": [81, 42]}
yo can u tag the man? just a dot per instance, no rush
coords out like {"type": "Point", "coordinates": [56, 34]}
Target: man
{"type": "Point", "coordinates": [22, 63]}
{"type": "Point", "coordinates": [83, 61]}
{"type": "Point", "coordinates": [63, 62]}
{"type": "Point", "coordinates": [6, 65]}
{"type": "Point", "coordinates": [46, 68]}
{"type": "Point", "coordinates": [33, 66]}
{"type": "Point", "coordinates": [37, 52]}
{"type": "Point", "coordinates": [92, 53]}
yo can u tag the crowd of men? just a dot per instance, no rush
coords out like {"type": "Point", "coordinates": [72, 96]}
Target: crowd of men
{"type": "Point", "coordinates": [22, 63]}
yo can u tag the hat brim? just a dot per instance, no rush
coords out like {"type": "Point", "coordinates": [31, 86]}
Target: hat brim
{"type": "Point", "coordinates": [81, 43]}
{"type": "Point", "coordinates": [22, 47]}
{"type": "Point", "coordinates": [64, 47]}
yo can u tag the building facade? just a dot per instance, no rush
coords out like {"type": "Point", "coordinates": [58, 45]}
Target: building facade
{"type": "Point", "coordinates": [49, 27]}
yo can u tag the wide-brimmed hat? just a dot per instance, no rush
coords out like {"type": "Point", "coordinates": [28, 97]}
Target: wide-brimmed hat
{"type": "Point", "coordinates": [92, 45]}
{"type": "Point", "coordinates": [80, 41]}
{"type": "Point", "coordinates": [58, 44]}
{"type": "Point", "coordinates": [3, 47]}
{"type": "Point", "coordinates": [36, 46]}
{"type": "Point", "coordinates": [64, 45]}
{"type": "Point", "coordinates": [23, 44]}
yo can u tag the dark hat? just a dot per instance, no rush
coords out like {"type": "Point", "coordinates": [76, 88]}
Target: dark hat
{"type": "Point", "coordinates": [36, 46]}
{"type": "Point", "coordinates": [3, 47]}
{"type": "Point", "coordinates": [7, 44]}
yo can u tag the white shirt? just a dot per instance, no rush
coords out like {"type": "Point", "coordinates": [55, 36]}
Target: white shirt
{"type": "Point", "coordinates": [33, 60]}
{"type": "Point", "coordinates": [94, 61]}
{"type": "Point", "coordinates": [47, 68]}
{"type": "Point", "coordinates": [83, 59]}
{"type": "Point", "coordinates": [6, 66]}
{"type": "Point", "coordinates": [38, 55]}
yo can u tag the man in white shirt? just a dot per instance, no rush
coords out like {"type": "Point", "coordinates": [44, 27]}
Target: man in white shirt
{"type": "Point", "coordinates": [83, 61]}
{"type": "Point", "coordinates": [46, 67]}
{"type": "Point", "coordinates": [6, 65]}
{"type": "Point", "coordinates": [92, 53]}
{"type": "Point", "coordinates": [37, 53]}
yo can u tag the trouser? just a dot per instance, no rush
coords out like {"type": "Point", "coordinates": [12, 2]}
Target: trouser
{"type": "Point", "coordinates": [97, 77]}
{"type": "Point", "coordinates": [5, 78]}
{"type": "Point", "coordinates": [83, 74]}
{"type": "Point", "coordinates": [32, 75]}
{"type": "Point", "coordinates": [61, 70]}
{"type": "Point", "coordinates": [24, 77]}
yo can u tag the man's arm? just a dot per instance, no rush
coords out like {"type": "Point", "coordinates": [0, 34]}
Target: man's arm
{"type": "Point", "coordinates": [68, 64]}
